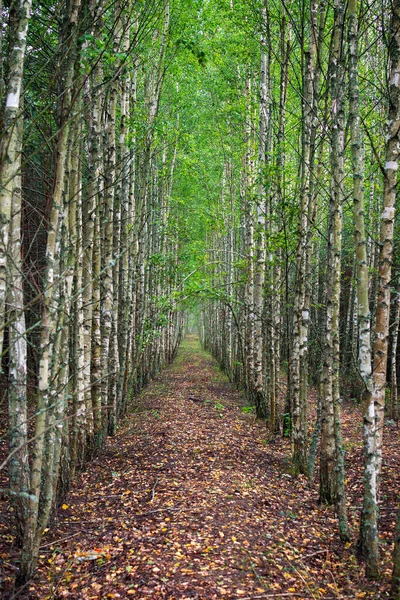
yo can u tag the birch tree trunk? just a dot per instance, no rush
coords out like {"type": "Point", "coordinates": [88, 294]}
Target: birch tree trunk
{"type": "Point", "coordinates": [124, 246]}
{"type": "Point", "coordinates": [259, 275]}
{"type": "Point", "coordinates": [36, 521]}
{"type": "Point", "coordinates": [108, 350]}
{"type": "Point", "coordinates": [332, 458]}
{"type": "Point", "coordinates": [80, 432]}
{"type": "Point", "coordinates": [276, 300]}
{"type": "Point", "coordinates": [18, 468]}
{"type": "Point", "coordinates": [90, 224]}
{"type": "Point", "coordinates": [394, 403]}
{"type": "Point", "coordinates": [9, 144]}
{"type": "Point", "coordinates": [373, 419]}
{"type": "Point", "coordinates": [299, 352]}
{"type": "Point", "coordinates": [328, 468]}
{"type": "Point", "coordinates": [363, 283]}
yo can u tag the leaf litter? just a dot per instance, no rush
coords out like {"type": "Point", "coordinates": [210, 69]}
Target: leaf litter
{"type": "Point", "coordinates": [192, 500]}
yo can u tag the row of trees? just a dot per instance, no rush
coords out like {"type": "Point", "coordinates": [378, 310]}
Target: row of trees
{"type": "Point", "coordinates": [301, 261]}
{"type": "Point", "coordinates": [88, 244]}
{"type": "Point", "coordinates": [163, 152]}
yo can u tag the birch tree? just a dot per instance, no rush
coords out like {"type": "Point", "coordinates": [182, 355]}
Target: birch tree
{"type": "Point", "coordinates": [375, 397]}
{"type": "Point", "coordinates": [301, 314]}
{"type": "Point", "coordinates": [332, 462]}
{"type": "Point", "coordinates": [17, 387]}
{"type": "Point", "coordinates": [10, 142]}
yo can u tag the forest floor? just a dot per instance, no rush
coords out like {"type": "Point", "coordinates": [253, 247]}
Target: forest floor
{"type": "Point", "coordinates": [192, 500]}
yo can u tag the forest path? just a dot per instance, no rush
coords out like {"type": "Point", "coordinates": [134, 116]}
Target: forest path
{"type": "Point", "coordinates": [189, 501]}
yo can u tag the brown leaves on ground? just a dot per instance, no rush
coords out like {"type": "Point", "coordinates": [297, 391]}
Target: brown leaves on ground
{"type": "Point", "coordinates": [190, 501]}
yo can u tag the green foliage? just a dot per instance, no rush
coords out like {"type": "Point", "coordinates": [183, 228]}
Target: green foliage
{"type": "Point", "coordinates": [249, 409]}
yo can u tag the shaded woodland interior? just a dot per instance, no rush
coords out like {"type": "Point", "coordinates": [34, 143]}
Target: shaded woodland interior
{"type": "Point", "coordinates": [220, 166]}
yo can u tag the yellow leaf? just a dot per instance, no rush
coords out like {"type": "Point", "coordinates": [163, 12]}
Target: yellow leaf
{"type": "Point", "coordinates": [233, 539]}
{"type": "Point", "coordinates": [64, 506]}
{"type": "Point", "coordinates": [291, 589]}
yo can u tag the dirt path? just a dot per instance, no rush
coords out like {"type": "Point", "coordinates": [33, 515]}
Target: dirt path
{"type": "Point", "coordinates": [189, 501]}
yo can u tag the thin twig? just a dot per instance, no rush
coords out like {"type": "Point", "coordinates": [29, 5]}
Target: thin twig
{"type": "Point", "coordinates": [10, 565]}
{"type": "Point", "coordinates": [153, 491]}
{"type": "Point", "coordinates": [60, 540]}
{"type": "Point", "coordinates": [158, 510]}
{"type": "Point", "coordinates": [313, 554]}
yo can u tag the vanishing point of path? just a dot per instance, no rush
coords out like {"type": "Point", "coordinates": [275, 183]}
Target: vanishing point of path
{"type": "Point", "coordinates": [189, 501]}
